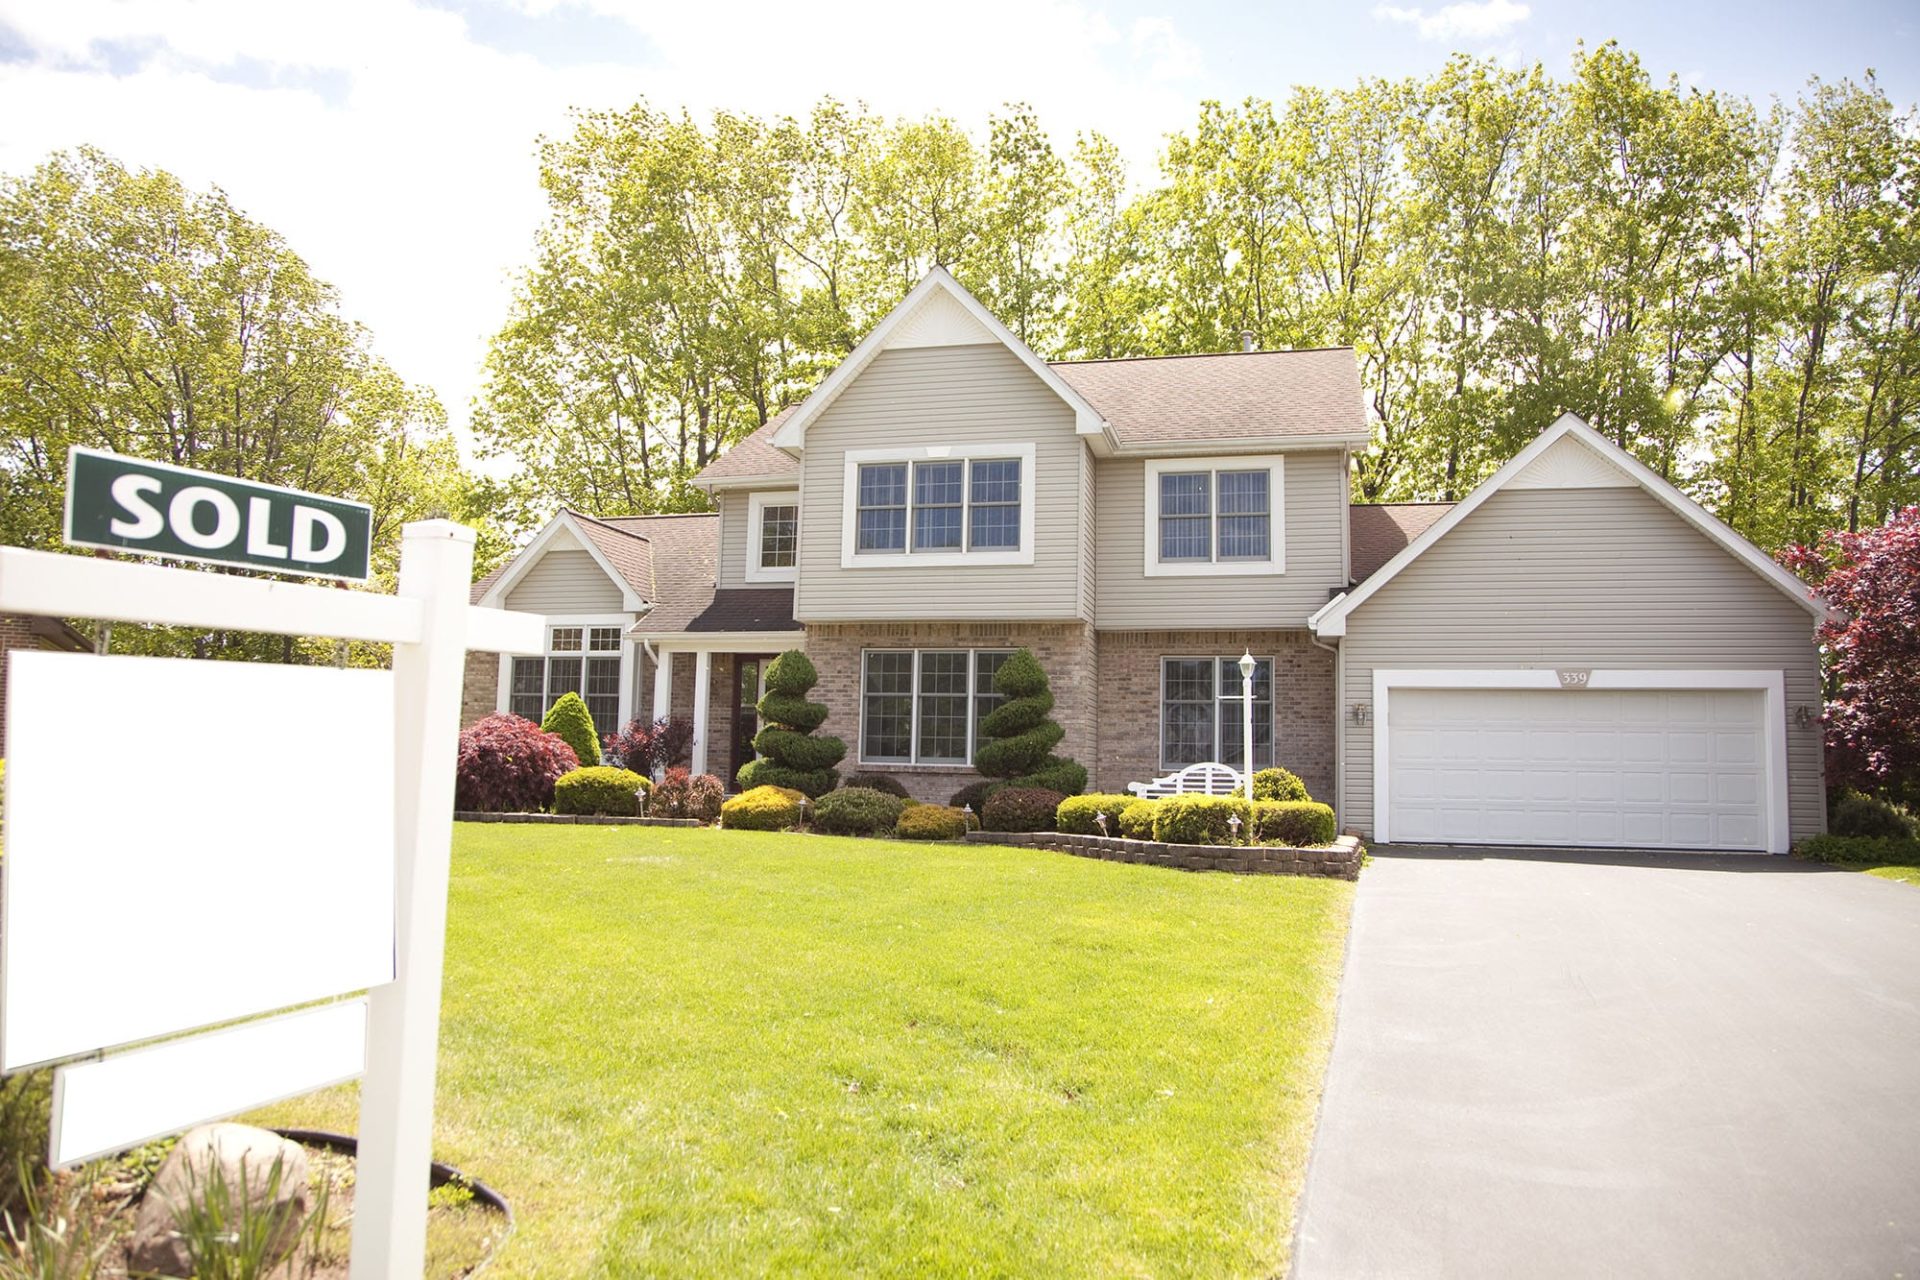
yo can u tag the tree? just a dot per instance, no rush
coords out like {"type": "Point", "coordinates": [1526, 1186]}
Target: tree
{"type": "Point", "coordinates": [1019, 736]}
{"type": "Point", "coordinates": [1872, 647]}
{"type": "Point", "coordinates": [569, 717]}
{"type": "Point", "coordinates": [789, 755]}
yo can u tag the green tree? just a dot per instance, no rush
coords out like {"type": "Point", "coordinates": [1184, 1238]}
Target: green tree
{"type": "Point", "coordinates": [569, 717]}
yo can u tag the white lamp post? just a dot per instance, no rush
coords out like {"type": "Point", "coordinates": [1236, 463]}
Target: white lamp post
{"type": "Point", "coordinates": [1247, 665]}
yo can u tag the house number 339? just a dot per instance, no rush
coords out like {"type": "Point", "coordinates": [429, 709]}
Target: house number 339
{"type": "Point", "coordinates": [1574, 679]}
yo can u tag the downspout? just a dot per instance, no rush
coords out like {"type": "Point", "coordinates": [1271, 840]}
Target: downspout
{"type": "Point", "coordinates": [1339, 727]}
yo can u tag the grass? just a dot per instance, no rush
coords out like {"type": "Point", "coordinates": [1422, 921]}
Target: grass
{"type": "Point", "coordinates": [1905, 873]}
{"type": "Point", "coordinates": [691, 1052]}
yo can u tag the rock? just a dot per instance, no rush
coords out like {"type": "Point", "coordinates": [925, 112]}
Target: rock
{"type": "Point", "coordinates": [244, 1157]}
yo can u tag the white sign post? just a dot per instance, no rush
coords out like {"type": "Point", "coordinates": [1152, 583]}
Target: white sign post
{"type": "Point", "coordinates": [196, 851]}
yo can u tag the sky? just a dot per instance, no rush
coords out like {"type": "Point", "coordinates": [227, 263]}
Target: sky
{"type": "Point", "coordinates": [393, 141]}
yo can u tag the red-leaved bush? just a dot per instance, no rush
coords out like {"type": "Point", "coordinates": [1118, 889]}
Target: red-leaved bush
{"type": "Point", "coordinates": [644, 747]}
{"type": "Point", "coordinates": [508, 764]}
{"type": "Point", "coordinates": [679, 794]}
{"type": "Point", "coordinates": [1872, 649]}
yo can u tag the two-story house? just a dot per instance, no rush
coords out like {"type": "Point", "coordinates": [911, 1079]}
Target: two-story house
{"type": "Point", "coordinates": [1576, 654]}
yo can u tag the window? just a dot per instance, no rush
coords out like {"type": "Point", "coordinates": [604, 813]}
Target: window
{"type": "Point", "coordinates": [579, 659]}
{"type": "Point", "coordinates": [1201, 712]}
{"type": "Point", "coordinates": [924, 706]}
{"type": "Point", "coordinates": [1214, 515]}
{"type": "Point", "coordinates": [950, 504]}
{"type": "Point", "coordinates": [773, 536]}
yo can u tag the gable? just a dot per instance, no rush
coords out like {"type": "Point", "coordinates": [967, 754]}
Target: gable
{"type": "Point", "coordinates": [565, 582]}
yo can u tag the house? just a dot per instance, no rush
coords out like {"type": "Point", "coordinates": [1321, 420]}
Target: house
{"type": "Point", "coordinates": [1576, 654]}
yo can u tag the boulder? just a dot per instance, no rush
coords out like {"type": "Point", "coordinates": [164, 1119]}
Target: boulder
{"type": "Point", "coordinates": [237, 1158]}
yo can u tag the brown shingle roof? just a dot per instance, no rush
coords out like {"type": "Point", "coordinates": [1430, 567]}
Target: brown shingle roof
{"type": "Point", "coordinates": [1381, 531]}
{"type": "Point", "coordinates": [753, 456]}
{"type": "Point", "coordinates": [1232, 396]}
{"type": "Point", "coordinates": [728, 609]}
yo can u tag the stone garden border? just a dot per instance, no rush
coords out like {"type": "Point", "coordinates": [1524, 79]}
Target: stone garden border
{"type": "Point", "coordinates": [589, 819]}
{"type": "Point", "coordinates": [1339, 860]}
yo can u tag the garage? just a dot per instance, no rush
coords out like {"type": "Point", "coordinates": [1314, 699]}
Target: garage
{"type": "Point", "coordinates": [1620, 768]}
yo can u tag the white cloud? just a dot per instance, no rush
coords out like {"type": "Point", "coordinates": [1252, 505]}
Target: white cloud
{"type": "Point", "coordinates": [1464, 21]}
{"type": "Point", "coordinates": [411, 181]}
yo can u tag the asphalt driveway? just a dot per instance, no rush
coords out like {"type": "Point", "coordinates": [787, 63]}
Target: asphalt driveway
{"type": "Point", "coordinates": [1658, 1066]}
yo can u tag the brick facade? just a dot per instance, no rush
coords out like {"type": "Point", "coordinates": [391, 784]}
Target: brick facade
{"type": "Point", "coordinates": [480, 690]}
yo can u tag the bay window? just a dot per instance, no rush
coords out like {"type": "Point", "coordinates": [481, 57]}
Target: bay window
{"type": "Point", "coordinates": [924, 706]}
{"type": "Point", "coordinates": [580, 659]}
{"type": "Point", "coordinates": [1201, 712]}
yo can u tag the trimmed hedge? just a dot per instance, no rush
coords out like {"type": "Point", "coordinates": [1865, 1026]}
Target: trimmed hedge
{"type": "Point", "coordinates": [975, 794]}
{"type": "Point", "coordinates": [569, 718]}
{"type": "Point", "coordinates": [1021, 809]}
{"type": "Point", "coordinates": [1136, 820]}
{"type": "Point", "coordinates": [763, 809]}
{"type": "Point", "coordinates": [1299, 823]}
{"type": "Point", "coordinates": [930, 822]}
{"type": "Point", "coordinates": [1855, 814]}
{"type": "Point", "coordinates": [1018, 738]}
{"type": "Point", "coordinates": [789, 754]}
{"type": "Point", "coordinates": [876, 782]}
{"type": "Point", "coordinates": [1075, 816]}
{"type": "Point", "coordinates": [1279, 784]}
{"type": "Point", "coordinates": [857, 811]}
{"type": "Point", "coordinates": [1850, 849]}
{"type": "Point", "coordinates": [599, 789]}
{"type": "Point", "coordinates": [1202, 820]}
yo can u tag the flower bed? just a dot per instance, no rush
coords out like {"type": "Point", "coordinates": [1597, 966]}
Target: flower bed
{"type": "Point", "coordinates": [1339, 860]}
{"type": "Point", "coordinates": [582, 818]}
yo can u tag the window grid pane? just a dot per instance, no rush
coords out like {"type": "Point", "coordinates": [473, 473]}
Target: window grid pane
{"type": "Point", "coordinates": [564, 640]}
{"type": "Point", "coordinates": [563, 676]}
{"type": "Point", "coordinates": [603, 695]}
{"type": "Point", "coordinates": [1186, 711]}
{"type": "Point", "coordinates": [1245, 524]}
{"type": "Point", "coordinates": [994, 516]}
{"type": "Point", "coordinates": [1232, 725]}
{"type": "Point", "coordinates": [882, 515]}
{"type": "Point", "coordinates": [938, 490]}
{"type": "Point", "coordinates": [779, 536]}
{"type": "Point", "coordinates": [528, 684]}
{"type": "Point", "coordinates": [604, 639]}
{"type": "Point", "coordinates": [986, 663]}
{"type": "Point", "coordinates": [943, 707]}
{"type": "Point", "coordinates": [887, 725]}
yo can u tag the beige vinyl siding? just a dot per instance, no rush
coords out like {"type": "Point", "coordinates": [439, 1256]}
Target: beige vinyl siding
{"type": "Point", "coordinates": [732, 549]}
{"type": "Point", "coordinates": [1315, 492]}
{"type": "Point", "coordinates": [1582, 578]}
{"type": "Point", "coordinates": [921, 396]}
{"type": "Point", "coordinates": [565, 582]}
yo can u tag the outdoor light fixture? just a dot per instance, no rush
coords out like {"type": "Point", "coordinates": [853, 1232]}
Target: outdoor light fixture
{"type": "Point", "coordinates": [1100, 821]}
{"type": "Point", "coordinates": [1234, 823]}
{"type": "Point", "coordinates": [1803, 715]}
{"type": "Point", "coordinates": [1360, 713]}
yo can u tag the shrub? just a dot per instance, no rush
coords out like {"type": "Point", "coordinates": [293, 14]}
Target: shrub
{"type": "Point", "coordinates": [857, 811]}
{"type": "Point", "coordinates": [1075, 815]}
{"type": "Point", "coordinates": [1202, 820]}
{"type": "Point", "coordinates": [705, 795]}
{"type": "Point", "coordinates": [1021, 809]}
{"type": "Point", "coordinates": [1136, 820]}
{"type": "Point", "coordinates": [930, 822]}
{"type": "Point", "coordinates": [877, 782]}
{"type": "Point", "coordinates": [1278, 784]}
{"type": "Point", "coordinates": [1859, 815]}
{"type": "Point", "coordinates": [599, 789]}
{"type": "Point", "coordinates": [1848, 849]}
{"type": "Point", "coordinates": [789, 754]}
{"type": "Point", "coordinates": [974, 795]}
{"type": "Point", "coordinates": [1018, 737]}
{"type": "Point", "coordinates": [1300, 823]}
{"type": "Point", "coordinates": [645, 748]}
{"type": "Point", "coordinates": [763, 809]}
{"type": "Point", "coordinates": [570, 718]}
{"type": "Point", "coordinates": [508, 764]}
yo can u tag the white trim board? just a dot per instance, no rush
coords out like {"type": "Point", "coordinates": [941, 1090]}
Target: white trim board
{"type": "Point", "coordinates": [1275, 562]}
{"type": "Point", "coordinates": [757, 504]}
{"type": "Point", "coordinates": [1771, 683]}
{"type": "Point", "coordinates": [852, 558]}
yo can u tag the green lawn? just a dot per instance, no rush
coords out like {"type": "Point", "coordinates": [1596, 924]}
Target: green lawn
{"type": "Point", "coordinates": [1903, 872]}
{"type": "Point", "coordinates": [690, 1052]}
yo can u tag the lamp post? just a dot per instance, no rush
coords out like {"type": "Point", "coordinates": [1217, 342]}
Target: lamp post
{"type": "Point", "coordinates": [1247, 665]}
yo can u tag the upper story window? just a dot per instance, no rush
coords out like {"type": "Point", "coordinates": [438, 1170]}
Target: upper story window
{"type": "Point", "coordinates": [1214, 515]}
{"type": "Point", "coordinates": [773, 536]}
{"type": "Point", "coordinates": [960, 504]}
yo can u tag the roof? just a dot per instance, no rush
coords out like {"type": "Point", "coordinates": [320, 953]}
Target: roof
{"type": "Point", "coordinates": [1239, 395]}
{"type": "Point", "coordinates": [753, 458]}
{"type": "Point", "coordinates": [1380, 531]}
{"type": "Point", "coordinates": [725, 609]}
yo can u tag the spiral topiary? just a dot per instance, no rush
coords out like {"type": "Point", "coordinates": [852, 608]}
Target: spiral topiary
{"type": "Point", "coordinates": [1018, 736]}
{"type": "Point", "coordinates": [789, 754]}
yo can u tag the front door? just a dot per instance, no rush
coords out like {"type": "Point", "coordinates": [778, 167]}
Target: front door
{"type": "Point", "coordinates": [749, 686]}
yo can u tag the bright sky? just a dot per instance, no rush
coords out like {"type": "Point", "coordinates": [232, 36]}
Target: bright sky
{"type": "Point", "coordinates": [392, 141]}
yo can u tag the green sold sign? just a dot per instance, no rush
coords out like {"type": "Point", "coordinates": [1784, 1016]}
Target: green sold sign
{"type": "Point", "coordinates": [157, 509]}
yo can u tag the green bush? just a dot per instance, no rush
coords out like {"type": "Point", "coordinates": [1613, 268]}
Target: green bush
{"type": "Point", "coordinates": [930, 822]}
{"type": "Point", "coordinates": [1075, 816]}
{"type": "Point", "coordinates": [764, 808]}
{"type": "Point", "coordinates": [1018, 738]}
{"type": "Point", "coordinates": [1861, 815]}
{"type": "Point", "coordinates": [789, 754]}
{"type": "Point", "coordinates": [1848, 849]}
{"type": "Point", "coordinates": [1300, 823]}
{"type": "Point", "coordinates": [1279, 784]}
{"type": "Point", "coordinates": [570, 718]}
{"type": "Point", "coordinates": [1136, 820]}
{"type": "Point", "coordinates": [1202, 820]}
{"type": "Point", "coordinates": [877, 782]}
{"type": "Point", "coordinates": [599, 789]}
{"type": "Point", "coordinates": [974, 795]}
{"type": "Point", "coordinates": [857, 811]}
{"type": "Point", "coordinates": [1021, 809]}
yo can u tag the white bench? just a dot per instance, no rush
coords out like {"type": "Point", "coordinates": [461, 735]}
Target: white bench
{"type": "Point", "coordinates": [1207, 779]}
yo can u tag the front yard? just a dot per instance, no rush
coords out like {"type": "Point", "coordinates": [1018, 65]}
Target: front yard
{"type": "Point", "coordinates": [697, 1052]}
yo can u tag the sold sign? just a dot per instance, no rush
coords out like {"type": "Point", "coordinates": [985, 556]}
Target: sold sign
{"type": "Point", "coordinates": [157, 509]}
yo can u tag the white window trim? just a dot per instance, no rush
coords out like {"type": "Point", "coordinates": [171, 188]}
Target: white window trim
{"type": "Point", "coordinates": [757, 503]}
{"type": "Point", "coordinates": [1273, 700]}
{"type": "Point", "coordinates": [503, 700]}
{"type": "Point", "coordinates": [1771, 683]}
{"type": "Point", "coordinates": [913, 760]}
{"type": "Point", "coordinates": [1276, 560]}
{"type": "Point", "coordinates": [1024, 453]}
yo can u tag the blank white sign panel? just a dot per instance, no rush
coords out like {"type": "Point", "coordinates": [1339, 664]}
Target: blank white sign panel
{"type": "Point", "coordinates": [129, 1098]}
{"type": "Point", "coordinates": [187, 843]}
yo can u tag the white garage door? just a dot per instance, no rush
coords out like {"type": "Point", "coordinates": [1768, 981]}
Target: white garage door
{"type": "Point", "coordinates": [1626, 768]}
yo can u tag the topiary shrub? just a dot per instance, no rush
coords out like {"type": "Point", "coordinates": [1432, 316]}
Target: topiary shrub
{"type": "Point", "coordinates": [789, 754]}
{"type": "Point", "coordinates": [1855, 814]}
{"type": "Point", "coordinates": [1136, 820]}
{"type": "Point", "coordinates": [1020, 809]}
{"type": "Point", "coordinates": [570, 718]}
{"type": "Point", "coordinates": [1076, 814]}
{"type": "Point", "coordinates": [930, 822]}
{"type": "Point", "coordinates": [1300, 823]}
{"type": "Point", "coordinates": [974, 795]}
{"type": "Point", "coordinates": [763, 809]}
{"type": "Point", "coordinates": [508, 764]}
{"type": "Point", "coordinates": [1278, 784]}
{"type": "Point", "coordinates": [1202, 820]}
{"type": "Point", "coordinates": [599, 789]}
{"type": "Point", "coordinates": [857, 811]}
{"type": "Point", "coordinates": [877, 782]}
{"type": "Point", "coordinates": [1017, 736]}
